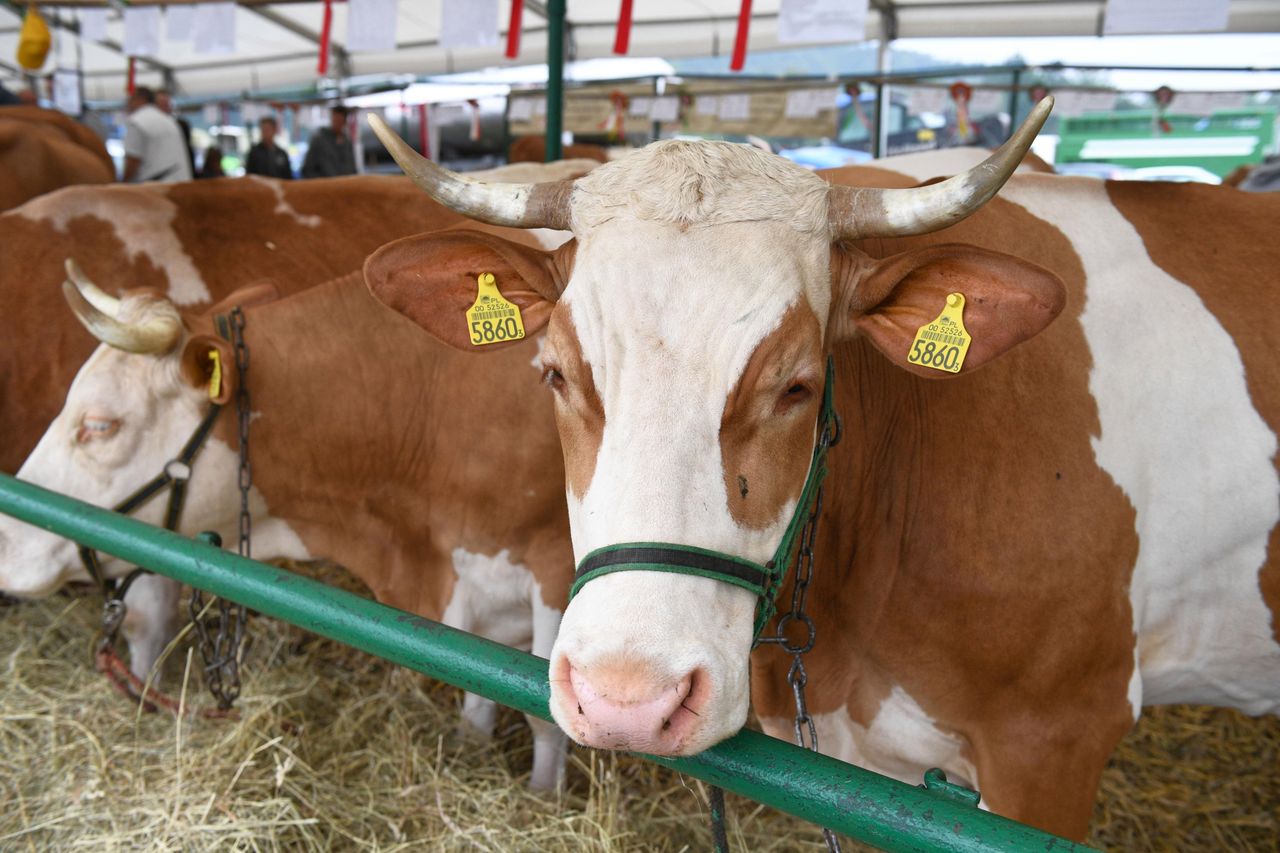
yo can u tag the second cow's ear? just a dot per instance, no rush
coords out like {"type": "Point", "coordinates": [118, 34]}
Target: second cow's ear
{"type": "Point", "coordinates": [431, 279]}
{"type": "Point", "coordinates": [209, 362]}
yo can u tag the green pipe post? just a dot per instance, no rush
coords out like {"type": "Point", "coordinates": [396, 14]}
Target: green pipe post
{"type": "Point", "coordinates": [855, 802]}
{"type": "Point", "coordinates": [555, 78]}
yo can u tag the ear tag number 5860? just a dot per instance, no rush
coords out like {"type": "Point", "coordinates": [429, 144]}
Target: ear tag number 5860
{"type": "Point", "coordinates": [492, 319]}
{"type": "Point", "coordinates": [943, 343]}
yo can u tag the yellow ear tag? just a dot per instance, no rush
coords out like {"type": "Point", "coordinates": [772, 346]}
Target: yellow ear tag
{"type": "Point", "coordinates": [943, 343]}
{"type": "Point", "coordinates": [492, 319]}
{"type": "Point", "coordinates": [215, 376]}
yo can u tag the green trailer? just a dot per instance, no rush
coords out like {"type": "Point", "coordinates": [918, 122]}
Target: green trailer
{"type": "Point", "coordinates": [1220, 142]}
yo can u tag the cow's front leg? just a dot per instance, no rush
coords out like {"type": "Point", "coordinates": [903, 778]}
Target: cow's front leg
{"type": "Point", "coordinates": [151, 621]}
{"type": "Point", "coordinates": [550, 744]}
{"type": "Point", "coordinates": [1045, 770]}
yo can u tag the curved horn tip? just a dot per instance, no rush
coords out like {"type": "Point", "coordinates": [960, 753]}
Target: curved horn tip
{"type": "Point", "coordinates": [96, 296]}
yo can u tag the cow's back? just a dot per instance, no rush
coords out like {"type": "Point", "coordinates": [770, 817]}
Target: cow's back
{"type": "Point", "coordinates": [195, 242]}
{"type": "Point", "coordinates": [42, 150]}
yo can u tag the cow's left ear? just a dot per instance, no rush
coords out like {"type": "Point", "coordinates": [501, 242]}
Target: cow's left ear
{"type": "Point", "coordinates": [209, 363]}
{"type": "Point", "coordinates": [432, 280]}
{"type": "Point", "coordinates": [1007, 300]}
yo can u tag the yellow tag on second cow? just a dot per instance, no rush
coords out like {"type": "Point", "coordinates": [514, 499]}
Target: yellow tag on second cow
{"type": "Point", "coordinates": [215, 375]}
{"type": "Point", "coordinates": [943, 343]}
{"type": "Point", "coordinates": [492, 319]}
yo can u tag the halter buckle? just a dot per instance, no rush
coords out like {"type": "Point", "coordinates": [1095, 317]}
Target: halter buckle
{"type": "Point", "coordinates": [177, 470]}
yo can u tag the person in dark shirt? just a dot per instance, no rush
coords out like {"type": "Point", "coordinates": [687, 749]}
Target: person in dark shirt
{"type": "Point", "coordinates": [267, 158]}
{"type": "Point", "coordinates": [329, 153]}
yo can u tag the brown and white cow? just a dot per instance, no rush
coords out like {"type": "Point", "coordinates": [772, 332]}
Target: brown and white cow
{"type": "Point", "coordinates": [435, 478]}
{"type": "Point", "coordinates": [43, 150]}
{"type": "Point", "coordinates": [1012, 561]}
{"type": "Point", "coordinates": [194, 242]}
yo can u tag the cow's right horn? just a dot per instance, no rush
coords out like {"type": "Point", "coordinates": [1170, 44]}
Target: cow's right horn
{"type": "Point", "coordinates": [514, 205]}
{"type": "Point", "coordinates": [857, 212]}
{"type": "Point", "coordinates": [155, 334]}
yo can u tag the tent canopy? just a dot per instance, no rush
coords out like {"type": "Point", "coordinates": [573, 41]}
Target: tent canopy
{"type": "Point", "coordinates": [277, 42]}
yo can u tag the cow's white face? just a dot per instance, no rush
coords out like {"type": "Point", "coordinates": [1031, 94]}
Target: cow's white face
{"type": "Point", "coordinates": [126, 415]}
{"type": "Point", "coordinates": [687, 367]}
{"type": "Point", "coordinates": [687, 327]}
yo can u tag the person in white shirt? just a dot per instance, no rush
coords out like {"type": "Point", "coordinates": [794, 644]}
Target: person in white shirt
{"type": "Point", "coordinates": [153, 145]}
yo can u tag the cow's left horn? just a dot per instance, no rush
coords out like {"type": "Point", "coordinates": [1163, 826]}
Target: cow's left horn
{"type": "Point", "coordinates": [156, 334]}
{"type": "Point", "coordinates": [514, 205]}
{"type": "Point", "coordinates": [100, 299]}
{"type": "Point", "coordinates": [856, 212]}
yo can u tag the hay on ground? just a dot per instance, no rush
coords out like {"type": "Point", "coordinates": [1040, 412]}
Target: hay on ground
{"type": "Point", "coordinates": [335, 750]}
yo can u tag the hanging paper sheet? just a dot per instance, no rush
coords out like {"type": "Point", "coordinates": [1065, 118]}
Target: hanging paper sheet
{"type": "Point", "coordinates": [371, 25]}
{"type": "Point", "coordinates": [802, 21]}
{"type": "Point", "coordinates": [468, 23]}
{"type": "Point", "coordinates": [1140, 17]}
{"type": "Point", "coordinates": [179, 22]}
{"type": "Point", "coordinates": [141, 30]}
{"type": "Point", "coordinates": [215, 25]}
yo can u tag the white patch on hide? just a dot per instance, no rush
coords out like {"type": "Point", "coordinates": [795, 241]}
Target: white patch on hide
{"type": "Point", "coordinates": [283, 208]}
{"type": "Point", "coordinates": [902, 741]}
{"type": "Point", "coordinates": [1181, 436]}
{"type": "Point", "coordinates": [142, 219]}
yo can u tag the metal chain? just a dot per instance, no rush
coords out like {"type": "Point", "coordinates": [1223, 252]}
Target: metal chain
{"type": "Point", "coordinates": [797, 677]}
{"type": "Point", "coordinates": [222, 636]}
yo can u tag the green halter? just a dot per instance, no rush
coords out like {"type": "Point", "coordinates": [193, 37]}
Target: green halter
{"type": "Point", "coordinates": [764, 581]}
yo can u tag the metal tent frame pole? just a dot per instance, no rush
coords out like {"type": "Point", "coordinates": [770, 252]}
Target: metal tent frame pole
{"type": "Point", "coordinates": [555, 78]}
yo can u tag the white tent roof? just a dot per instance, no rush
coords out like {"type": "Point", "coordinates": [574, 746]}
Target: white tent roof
{"type": "Point", "coordinates": [276, 43]}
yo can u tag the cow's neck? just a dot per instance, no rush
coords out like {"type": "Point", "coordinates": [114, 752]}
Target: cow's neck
{"type": "Point", "coordinates": [360, 429]}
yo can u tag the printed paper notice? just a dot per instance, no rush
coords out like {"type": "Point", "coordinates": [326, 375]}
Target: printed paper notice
{"type": "Point", "coordinates": [468, 23]}
{"type": "Point", "coordinates": [66, 91]}
{"type": "Point", "coordinates": [1140, 17]}
{"type": "Point", "coordinates": [93, 24]}
{"type": "Point", "coordinates": [141, 30]}
{"type": "Point", "coordinates": [735, 107]}
{"type": "Point", "coordinates": [666, 108]}
{"type": "Point", "coordinates": [179, 22]}
{"type": "Point", "coordinates": [521, 109]}
{"type": "Point", "coordinates": [821, 20]}
{"type": "Point", "coordinates": [215, 28]}
{"type": "Point", "coordinates": [371, 25]}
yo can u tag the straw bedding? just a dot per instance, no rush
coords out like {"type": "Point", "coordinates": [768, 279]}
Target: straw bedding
{"type": "Point", "coordinates": [334, 750]}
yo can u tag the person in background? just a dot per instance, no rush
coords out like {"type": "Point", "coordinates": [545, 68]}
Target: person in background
{"type": "Point", "coordinates": [212, 165]}
{"type": "Point", "coordinates": [164, 100]}
{"type": "Point", "coordinates": [153, 146]}
{"type": "Point", "coordinates": [267, 158]}
{"type": "Point", "coordinates": [330, 152]}
{"type": "Point", "coordinates": [28, 98]}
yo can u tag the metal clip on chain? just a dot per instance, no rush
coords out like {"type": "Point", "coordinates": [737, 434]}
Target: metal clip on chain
{"type": "Point", "coordinates": [221, 637]}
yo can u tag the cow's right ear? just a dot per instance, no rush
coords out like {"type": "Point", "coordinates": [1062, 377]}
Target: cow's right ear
{"type": "Point", "coordinates": [431, 279]}
{"type": "Point", "coordinates": [209, 362]}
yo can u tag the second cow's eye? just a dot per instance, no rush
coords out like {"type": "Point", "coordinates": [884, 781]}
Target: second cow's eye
{"type": "Point", "coordinates": [96, 427]}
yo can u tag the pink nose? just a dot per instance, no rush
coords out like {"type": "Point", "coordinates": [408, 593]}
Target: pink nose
{"type": "Point", "coordinates": [631, 708]}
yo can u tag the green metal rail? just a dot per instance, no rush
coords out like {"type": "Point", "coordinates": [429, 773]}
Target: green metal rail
{"type": "Point", "coordinates": [855, 802]}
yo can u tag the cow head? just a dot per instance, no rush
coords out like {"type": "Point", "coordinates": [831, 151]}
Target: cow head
{"type": "Point", "coordinates": [687, 328]}
{"type": "Point", "coordinates": [130, 410]}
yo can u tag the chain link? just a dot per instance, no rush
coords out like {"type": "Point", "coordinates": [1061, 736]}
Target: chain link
{"type": "Point", "coordinates": [797, 677]}
{"type": "Point", "coordinates": [221, 637]}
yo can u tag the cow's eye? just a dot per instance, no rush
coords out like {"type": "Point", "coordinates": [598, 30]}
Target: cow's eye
{"type": "Point", "coordinates": [554, 378]}
{"type": "Point", "coordinates": [794, 396]}
{"type": "Point", "coordinates": [96, 427]}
